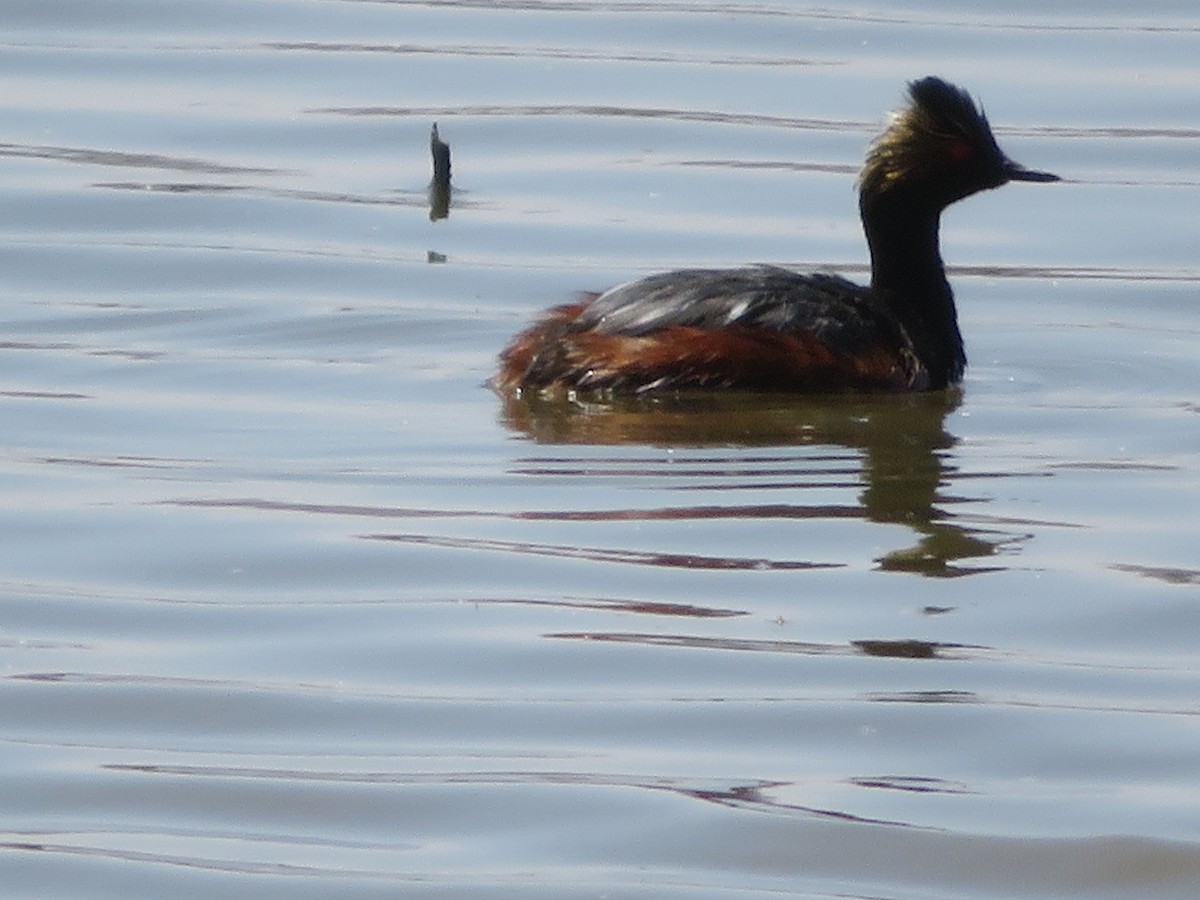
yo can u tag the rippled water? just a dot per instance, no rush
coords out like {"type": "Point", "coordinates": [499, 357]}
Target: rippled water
{"type": "Point", "coordinates": [292, 605]}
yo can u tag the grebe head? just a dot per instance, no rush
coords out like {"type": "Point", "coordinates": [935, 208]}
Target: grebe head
{"type": "Point", "coordinates": [938, 150]}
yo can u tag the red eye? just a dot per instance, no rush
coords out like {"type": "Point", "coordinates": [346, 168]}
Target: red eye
{"type": "Point", "coordinates": [959, 151]}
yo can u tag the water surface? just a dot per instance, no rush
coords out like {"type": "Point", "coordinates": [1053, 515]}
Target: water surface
{"type": "Point", "coordinates": [292, 605]}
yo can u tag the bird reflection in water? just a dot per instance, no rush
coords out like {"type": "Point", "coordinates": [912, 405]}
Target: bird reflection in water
{"type": "Point", "coordinates": [907, 466]}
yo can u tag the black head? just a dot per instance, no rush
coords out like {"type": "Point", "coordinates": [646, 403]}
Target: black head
{"type": "Point", "coordinates": [939, 149]}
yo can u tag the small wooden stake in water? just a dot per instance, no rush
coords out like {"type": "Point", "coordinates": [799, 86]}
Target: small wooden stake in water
{"type": "Point", "coordinates": [439, 188]}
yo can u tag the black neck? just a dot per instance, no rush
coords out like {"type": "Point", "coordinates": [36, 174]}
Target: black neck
{"type": "Point", "coordinates": [907, 271]}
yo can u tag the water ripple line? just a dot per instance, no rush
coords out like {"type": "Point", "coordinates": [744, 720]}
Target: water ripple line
{"type": "Point", "coordinates": [604, 554]}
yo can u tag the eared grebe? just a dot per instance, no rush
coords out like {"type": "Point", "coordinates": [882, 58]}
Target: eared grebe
{"type": "Point", "coordinates": [763, 327]}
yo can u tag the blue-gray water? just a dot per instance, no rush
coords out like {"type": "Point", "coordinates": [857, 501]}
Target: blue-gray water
{"type": "Point", "coordinates": [291, 605]}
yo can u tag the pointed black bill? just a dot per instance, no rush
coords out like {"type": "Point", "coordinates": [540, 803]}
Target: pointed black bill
{"type": "Point", "coordinates": [1017, 172]}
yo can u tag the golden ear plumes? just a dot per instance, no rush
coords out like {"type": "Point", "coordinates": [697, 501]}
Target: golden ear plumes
{"type": "Point", "coordinates": [940, 125]}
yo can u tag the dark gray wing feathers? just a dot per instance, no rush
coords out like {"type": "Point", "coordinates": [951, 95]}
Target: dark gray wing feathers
{"type": "Point", "coordinates": [828, 306]}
